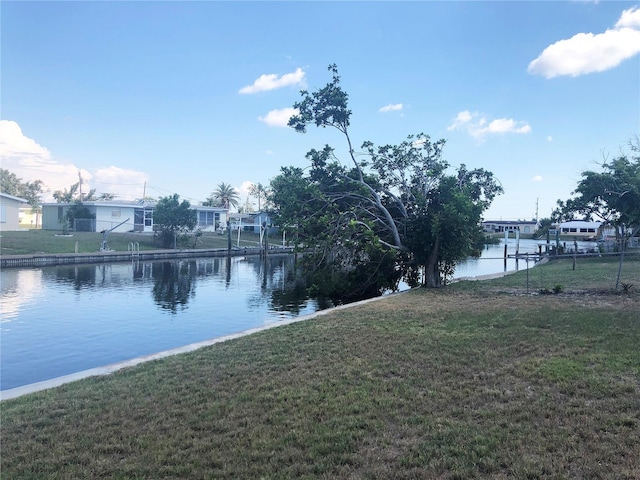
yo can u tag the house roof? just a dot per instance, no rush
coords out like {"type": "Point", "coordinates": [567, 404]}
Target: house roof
{"type": "Point", "coordinates": [580, 224]}
{"type": "Point", "coordinates": [11, 197]}
{"type": "Point", "coordinates": [208, 208]}
{"type": "Point", "coordinates": [109, 203]}
{"type": "Point", "coordinates": [510, 222]}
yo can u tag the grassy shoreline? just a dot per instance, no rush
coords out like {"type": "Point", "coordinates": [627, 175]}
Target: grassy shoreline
{"type": "Point", "coordinates": [473, 381]}
{"type": "Point", "coordinates": [478, 380]}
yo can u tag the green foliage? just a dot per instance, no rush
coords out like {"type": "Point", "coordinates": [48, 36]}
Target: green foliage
{"type": "Point", "coordinates": [557, 288]}
{"type": "Point", "coordinates": [73, 195]}
{"type": "Point", "coordinates": [350, 265]}
{"type": "Point", "coordinates": [399, 199]}
{"type": "Point", "coordinates": [611, 195]}
{"type": "Point", "coordinates": [224, 196]}
{"type": "Point", "coordinates": [11, 184]}
{"type": "Point", "coordinates": [545, 225]}
{"type": "Point", "coordinates": [77, 211]}
{"type": "Point", "coordinates": [173, 218]}
{"type": "Point", "coordinates": [261, 193]}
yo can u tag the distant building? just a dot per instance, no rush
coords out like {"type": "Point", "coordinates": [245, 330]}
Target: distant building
{"type": "Point", "coordinates": [581, 229]}
{"type": "Point", "coordinates": [242, 221]}
{"type": "Point", "coordinates": [500, 226]}
{"type": "Point", "coordinates": [10, 212]}
{"type": "Point", "coordinates": [251, 222]}
{"type": "Point", "coordinates": [30, 217]}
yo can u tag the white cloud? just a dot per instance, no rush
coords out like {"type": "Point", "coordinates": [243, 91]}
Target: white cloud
{"type": "Point", "coordinates": [629, 18]}
{"type": "Point", "coordinates": [17, 149]}
{"type": "Point", "coordinates": [537, 178]}
{"type": "Point", "coordinates": [30, 161]}
{"type": "Point", "coordinates": [479, 127]}
{"type": "Point", "coordinates": [279, 118]}
{"type": "Point", "coordinates": [587, 52]}
{"type": "Point", "coordinates": [125, 184]}
{"type": "Point", "coordinates": [271, 81]}
{"type": "Point", "coordinates": [549, 138]}
{"type": "Point", "coordinates": [393, 107]}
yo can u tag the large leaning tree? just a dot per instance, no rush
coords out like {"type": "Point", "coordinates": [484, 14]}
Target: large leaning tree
{"type": "Point", "coordinates": [173, 218]}
{"type": "Point", "coordinates": [610, 195]}
{"type": "Point", "coordinates": [396, 207]}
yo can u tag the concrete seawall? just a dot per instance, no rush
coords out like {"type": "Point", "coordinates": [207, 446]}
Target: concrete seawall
{"type": "Point", "coordinates": [42, 260]}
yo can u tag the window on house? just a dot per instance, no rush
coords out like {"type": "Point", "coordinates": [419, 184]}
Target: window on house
{"type": "Point", "coordinates": [60, 213]}
{"type": "Point", "coordinates": [115, 213]}
{"type": "Point", "coordinates": [148, 218]}
{"type": "Point", "coordinates": [206, 219]}
{"type": "Point", "coordinates": [3, 214]}
{"type": "Point", "coordinates": [583, 230]}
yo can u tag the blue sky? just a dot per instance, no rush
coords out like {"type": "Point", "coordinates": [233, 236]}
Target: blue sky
{"type": "Point", "coordinates": [159, 98]}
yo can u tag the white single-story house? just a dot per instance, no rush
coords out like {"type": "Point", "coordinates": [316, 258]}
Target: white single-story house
{"type": "Point", "coordinates": [10, 212]}
{"type": "Point", "coordinates": [123, 216]}
{"type": "Point", "coordinates": [500, 226]}
{"type": "Point", "coordinates": [211, 219]}
{"type": "Point", "coordinates": [582, 229]}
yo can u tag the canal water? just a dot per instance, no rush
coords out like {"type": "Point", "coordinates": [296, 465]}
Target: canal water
{"type": "Point", "coordinates": [55, 321]}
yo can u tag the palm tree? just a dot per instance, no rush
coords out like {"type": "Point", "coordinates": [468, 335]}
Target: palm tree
{"type": "Point", "coordinates": [66, 196]}
{"type": "Point", "coordinates": [223, 196]}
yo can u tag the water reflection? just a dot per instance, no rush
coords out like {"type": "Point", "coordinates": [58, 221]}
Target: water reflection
{"type": "Point", "coordinates": [78, 276]}
{"type": "Point", "coordinates": [86, 316]}
{"type": "Point", "coordinates": [174, 284]}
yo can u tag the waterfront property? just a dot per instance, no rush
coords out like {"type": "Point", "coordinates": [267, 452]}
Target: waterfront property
{"type": "Point", "coordinates": [582, 229]}
{"type": "Point", "coordinates": [124, 216]}
{"type": "Point", "coordinates": [500, 226]}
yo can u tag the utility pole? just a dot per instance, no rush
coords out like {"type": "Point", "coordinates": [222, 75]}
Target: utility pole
{"type": "Point", "coordinates": [80, 184]}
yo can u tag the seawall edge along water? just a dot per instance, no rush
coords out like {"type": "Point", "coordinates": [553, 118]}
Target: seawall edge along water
{"type": "Point", "coordinates": [108, 369]}
{"type": "Point", "coordinates": [52, 259]}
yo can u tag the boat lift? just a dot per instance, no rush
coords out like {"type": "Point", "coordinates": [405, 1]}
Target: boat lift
{"type": "Point", "coordinates": [104, 247]}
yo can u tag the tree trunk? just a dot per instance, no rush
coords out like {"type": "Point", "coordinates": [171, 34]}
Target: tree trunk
{"type": "Point", "coordinates": [431, 273]}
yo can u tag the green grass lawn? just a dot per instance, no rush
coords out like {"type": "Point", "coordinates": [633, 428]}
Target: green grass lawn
{"type": "Point", "coordinates": [590, 275]}
{"type": "Point", "coordinates": [46, 241]}
{"type": "Point", "coordinates": [476, 380]}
